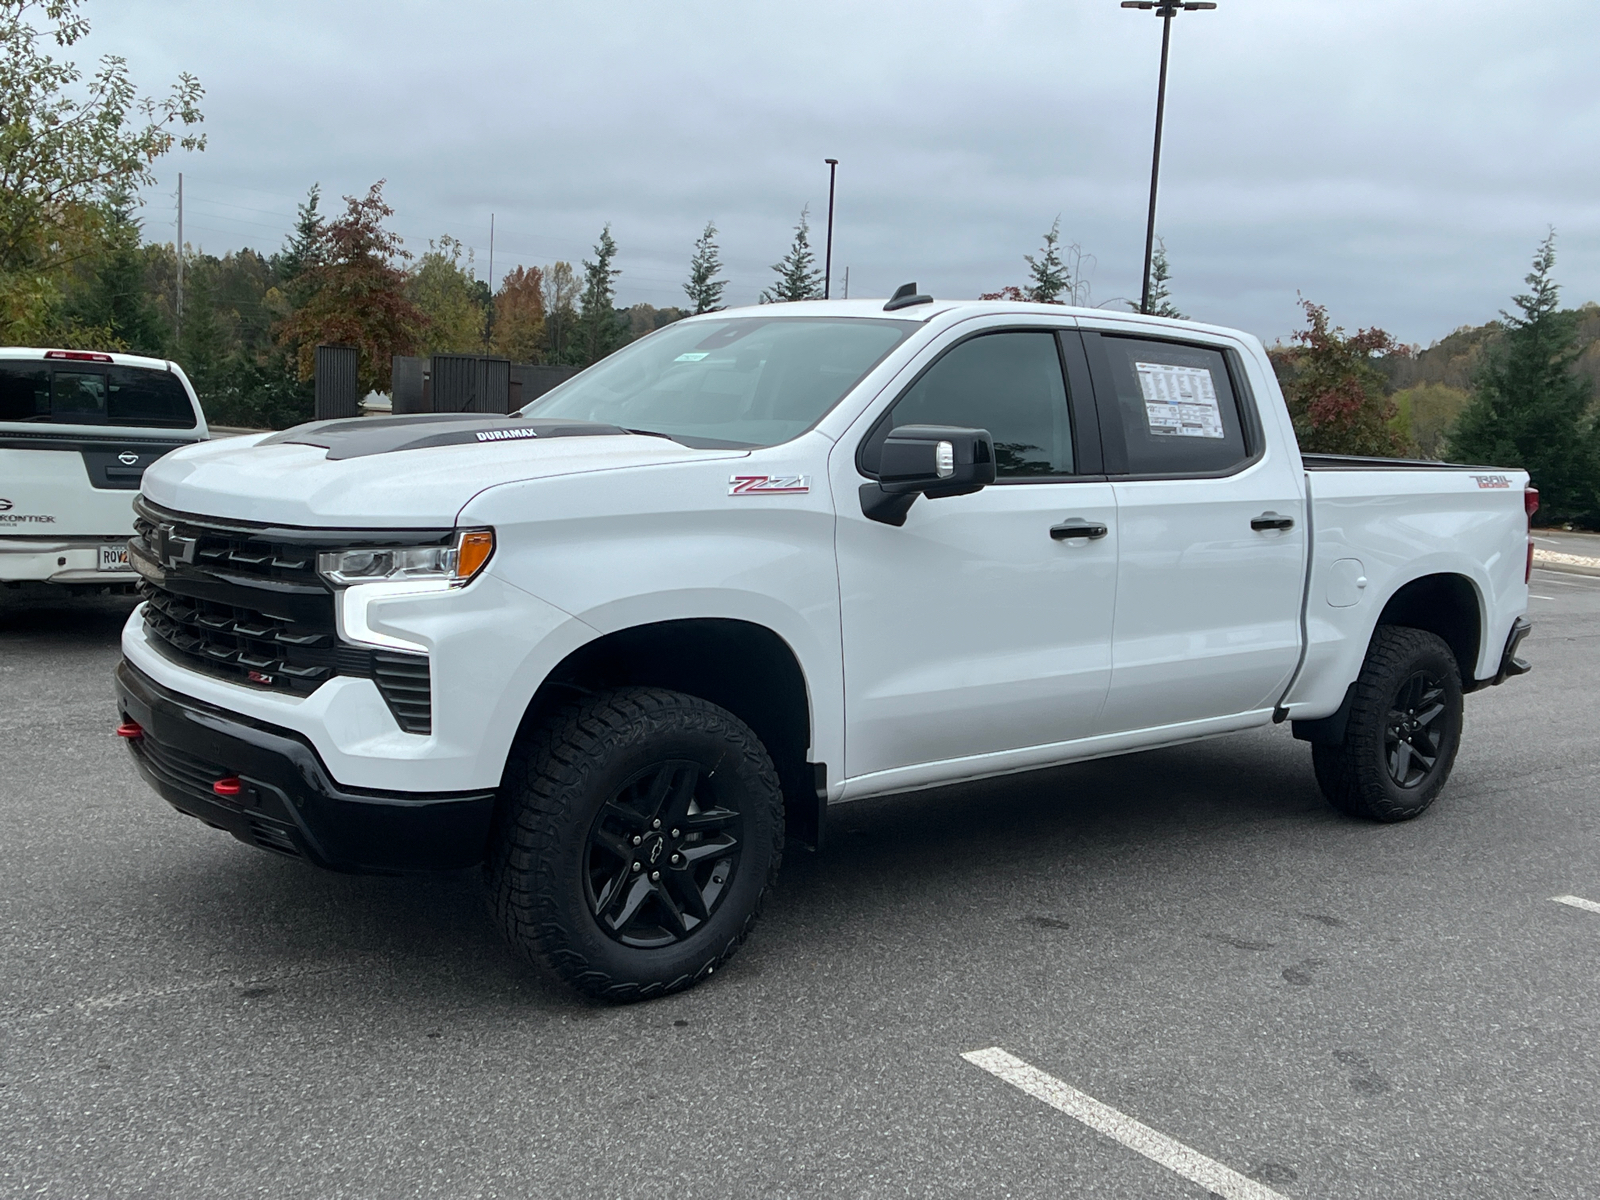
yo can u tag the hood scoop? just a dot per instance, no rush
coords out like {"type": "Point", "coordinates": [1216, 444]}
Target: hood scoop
{"type": "Point", "coordinates": [359, 437]}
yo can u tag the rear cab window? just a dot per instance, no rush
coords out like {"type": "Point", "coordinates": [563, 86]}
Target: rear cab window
{"type": "Point", "coordinates": [81, 393]}
{"type": "Point", "coordinates": [1170, 408]}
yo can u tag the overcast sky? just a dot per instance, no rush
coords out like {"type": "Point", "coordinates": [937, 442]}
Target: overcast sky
{"type": "Point", "coordinates": [1396, 160]}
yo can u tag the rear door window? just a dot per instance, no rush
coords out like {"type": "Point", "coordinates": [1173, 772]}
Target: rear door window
{"type": "Point", "coordinates": [1174, 405]}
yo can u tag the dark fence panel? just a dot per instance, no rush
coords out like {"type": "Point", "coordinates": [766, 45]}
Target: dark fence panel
{"type": "Point", "coordinates": [408, 395]}
{"type": "Point", "coordinates": [338, 392]}
{"type": "Point", "coordinates": [470, 383]}
{"type": "Point", "coordinates": [529, 382]}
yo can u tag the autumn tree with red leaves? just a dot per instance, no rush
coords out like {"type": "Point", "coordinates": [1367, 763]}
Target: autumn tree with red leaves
{"type": "Point", "coordinates": [1335, 390]}
{"type": "Point", "coordinates": [519, 315]}
{"type": "Point", "coordinates": [356, 295]}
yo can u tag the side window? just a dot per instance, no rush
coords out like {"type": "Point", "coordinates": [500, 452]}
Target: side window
{"type": "Point", "coordinates": [145, 397]}
{"type": "Point", "coordinates": [24, 392]}
{"type": "Point", "coordinates": [78, 396]}
{"type": "Point", "coordinates": [1175, 406]}
{"type": "Point", "coordinates": [1008, 383]}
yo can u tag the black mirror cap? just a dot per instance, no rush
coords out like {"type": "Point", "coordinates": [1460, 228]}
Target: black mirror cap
{"type": "Point", "coordinates": [936, 461]}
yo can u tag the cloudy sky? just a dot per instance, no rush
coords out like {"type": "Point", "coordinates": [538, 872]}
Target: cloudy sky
{"type": "Point", "coordinates": [1397, 160]}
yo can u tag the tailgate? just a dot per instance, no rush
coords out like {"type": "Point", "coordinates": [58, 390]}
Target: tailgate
{"type": "Point", "coordinates": [73, 486]}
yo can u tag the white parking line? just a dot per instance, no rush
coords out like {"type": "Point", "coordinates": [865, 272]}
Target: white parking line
{"type": "Point", "coordinates": [1157, 1147]}
{"type": "Point", "coordinates": [1578, 902]}
{"type": "Point", "coordinates": [1531, 596]}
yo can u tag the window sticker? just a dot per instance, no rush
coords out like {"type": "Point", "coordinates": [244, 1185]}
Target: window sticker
{"type": "Point", "coordinates": [1179, 401]}
{"type": "Point", "coordinates": [692, 356]}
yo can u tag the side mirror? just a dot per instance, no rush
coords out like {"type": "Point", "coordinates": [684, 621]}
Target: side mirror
{"type": "Point", "coordinates": [927, 460]}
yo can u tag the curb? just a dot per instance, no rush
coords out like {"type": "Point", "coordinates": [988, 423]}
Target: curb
{"type": "Point", "coordinates": [1574, 564]}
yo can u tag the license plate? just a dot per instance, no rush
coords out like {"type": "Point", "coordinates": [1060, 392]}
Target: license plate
{"type": "Point", "coordinates": [114, 556]}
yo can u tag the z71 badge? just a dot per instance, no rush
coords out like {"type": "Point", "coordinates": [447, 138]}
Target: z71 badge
{"type": "Point", "coordinates": [768, 485]}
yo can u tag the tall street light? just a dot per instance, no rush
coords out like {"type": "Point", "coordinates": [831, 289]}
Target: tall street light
{"type": "Point", "coordinates": [1166, 10]}
{"type": "Point", "coordinates": [827, 258]}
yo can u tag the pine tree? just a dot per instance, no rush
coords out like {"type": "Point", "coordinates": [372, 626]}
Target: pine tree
{"type": "Point", "coordinates": [599, 329]}
{"type": "Point", "coordinates": [305, 248]}
{"type": "Point", "coordinates": [1049, 273]}
{"type": "Point", "coordinates": [1160, 294]}
{"type": "Point", "coordinates": [114, 301]}
{"type": "Point", "coordinates": [1529, 409]}
{"type": "Point", "coordinates": [704, 289]}
{"type": "Point", "coordinates": [798, 277]}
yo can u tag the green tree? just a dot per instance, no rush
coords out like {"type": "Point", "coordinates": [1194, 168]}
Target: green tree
{"type": "Point", "coordinates": [704, 289]}
{"type": "Point", "coordinates": [599, 329]}
{"type": "Point", "coordinates": [109, 301]}
{"type": "Point", "coordinates": [1427, 412]}
{"type": "Point", "coordinates": [1529, 408]}
{"type": "Point", "coordinates": [559, 291]}
{"type": "Point", "coordinates": [798, 276]}
{"type": "Point", "coordinates": [305, 247]}
{"type": "Point", "coordinates": [1161, 304]}
{"type": "Point", "coordinates": [67, 147]}
{"type": "Point", "coordinates": [1335, 389]}
{"type": "Point", "coordinates": [447, 291]}
{"type": "Point", "coordinates": [1049, 277]}
{"type": "Point", "coordinates": [357, 295]}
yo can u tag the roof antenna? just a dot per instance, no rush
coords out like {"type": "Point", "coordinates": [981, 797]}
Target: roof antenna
{"type": "Point", "coordinates": [905, 296]}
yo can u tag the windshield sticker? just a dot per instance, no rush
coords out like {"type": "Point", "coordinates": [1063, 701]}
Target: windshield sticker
{"type": "Point", "coordinates": [1492, 481]}
{"type": "Point", "coordinates": [692, 356]}
{"type": "Point", "coordinates": [505, 435]}
{"type": "Point", "coordinates": [768, 485]}
{"type": "Point", "coordinates": [1179, 401]}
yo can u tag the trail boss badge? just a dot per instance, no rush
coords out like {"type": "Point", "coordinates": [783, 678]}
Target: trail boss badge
{"type": "Point", "coordinates": [768, 485]}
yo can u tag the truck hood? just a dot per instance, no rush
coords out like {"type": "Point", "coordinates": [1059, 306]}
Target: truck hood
{"type": "Point", "coordinates": [391, 472]}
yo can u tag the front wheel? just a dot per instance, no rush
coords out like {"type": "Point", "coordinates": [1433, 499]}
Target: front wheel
{"type": "Point", "coordinates": [638, 831]}
{"type": "Point", "coordinates": [1403, 731]}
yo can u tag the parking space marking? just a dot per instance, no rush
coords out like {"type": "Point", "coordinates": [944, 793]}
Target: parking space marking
{"type": "Point", "coordinates": [1102, 1118]}
{"type": "Point", "coordinates": [1531, 596]}
{"type": "Point", "coordinates": [1578, 902]}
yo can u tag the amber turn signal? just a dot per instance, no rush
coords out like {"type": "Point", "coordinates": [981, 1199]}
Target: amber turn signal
{"type": "Point", "coordinates": [472, 551]}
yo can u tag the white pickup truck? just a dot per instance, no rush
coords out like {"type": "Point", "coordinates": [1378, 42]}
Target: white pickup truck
{"type": "Point", "coordinates": [764, 561]}
{"type": "Point", "coordinates": [77, 430]}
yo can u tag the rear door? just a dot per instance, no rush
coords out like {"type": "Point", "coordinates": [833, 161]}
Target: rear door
{"type": "Point", "coordinates": [1212, 528]}
{"type": "Point", "coordinates": [979, 628]}
{"type": "Point", "coordinates": [76, 435]}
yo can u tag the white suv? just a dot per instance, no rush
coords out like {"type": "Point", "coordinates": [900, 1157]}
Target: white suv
{"type": "Point", "coordinates": [77, 430]}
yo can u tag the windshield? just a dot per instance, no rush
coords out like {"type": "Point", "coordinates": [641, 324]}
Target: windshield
{"type": "Point", "coordinates": [739, 381]}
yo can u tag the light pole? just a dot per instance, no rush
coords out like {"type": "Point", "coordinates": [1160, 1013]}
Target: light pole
{"type": "Point", "coordinates": [827, 258]}
{"type": "Point", "coordinates": [1166, 10]}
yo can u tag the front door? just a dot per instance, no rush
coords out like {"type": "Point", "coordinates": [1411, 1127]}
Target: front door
{"type": "Point", "coordinates": [981, 626]}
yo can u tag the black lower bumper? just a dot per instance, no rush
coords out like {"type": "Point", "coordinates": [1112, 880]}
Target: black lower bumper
{"type": "Point", "coordinates": [1510, 664]}
{"type": "Point", "coordinates": [287, 802]}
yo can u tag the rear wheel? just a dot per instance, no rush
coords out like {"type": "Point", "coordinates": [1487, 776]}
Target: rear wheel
{"type": "Point", "coordinates": [639, 830]}
{"type": "Point", "coordinates": [1403, 731]}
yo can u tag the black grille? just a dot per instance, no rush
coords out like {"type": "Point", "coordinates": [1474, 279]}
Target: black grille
{"type": "Point", "coordinates": [249, 606]}
{"type": "Point", "coordinates": [180, 770]}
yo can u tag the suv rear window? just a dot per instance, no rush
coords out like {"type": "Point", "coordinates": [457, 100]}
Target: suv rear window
{"type": "Point", "coordinates": [80, 394]}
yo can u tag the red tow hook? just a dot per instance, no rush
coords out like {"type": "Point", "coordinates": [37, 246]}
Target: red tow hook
{"type": "Point", "coordinates": [130, 729]}
{"type": "Point", "coordinates": [228, 785]}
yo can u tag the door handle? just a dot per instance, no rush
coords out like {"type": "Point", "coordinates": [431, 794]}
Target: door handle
{"type": "Point", "coordinates": [1077, 529]}
{"type": "Point", "coordinates": [1271, 520]}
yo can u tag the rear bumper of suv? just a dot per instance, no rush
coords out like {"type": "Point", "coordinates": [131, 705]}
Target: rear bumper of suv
{"type": "Point", "coordinates": [286, 801]}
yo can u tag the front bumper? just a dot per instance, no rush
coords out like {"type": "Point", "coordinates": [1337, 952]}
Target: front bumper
{"type": "Point", "coordinates": [289, 803]}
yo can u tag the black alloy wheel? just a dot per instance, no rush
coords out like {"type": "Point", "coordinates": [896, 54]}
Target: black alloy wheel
{"type": "Point", "coordinates": [1402, 730]}
{"type": "Point", "coordinates": [1414, 734]}
{"type": "Point", "coordinates": [661, 855]}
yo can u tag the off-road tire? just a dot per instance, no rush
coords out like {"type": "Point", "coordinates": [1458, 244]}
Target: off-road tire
{"type": "Point", "coordinates": [1355, 775]}
{"type": "Point", "coordinates": [560, 775]}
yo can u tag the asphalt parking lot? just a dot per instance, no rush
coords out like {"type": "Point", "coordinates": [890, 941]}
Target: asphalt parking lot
{"type": "Point", "coordinates": [1189, 939]}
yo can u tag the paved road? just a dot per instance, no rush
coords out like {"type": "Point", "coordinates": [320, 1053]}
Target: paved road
{"type": "Point", "coordinates": [1567, 541]}
{"type": "Point", "coordinates": [1190, 936]}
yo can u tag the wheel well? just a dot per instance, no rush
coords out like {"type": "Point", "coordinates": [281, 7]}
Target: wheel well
{"type": "Point", "coordinates": [1445, 605]}
{"type": "Point", "coordinates": [743, 667]}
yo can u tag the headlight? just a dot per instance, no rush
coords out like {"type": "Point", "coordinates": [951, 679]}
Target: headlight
{"type": "Point", "coordinates": [458, 562]}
